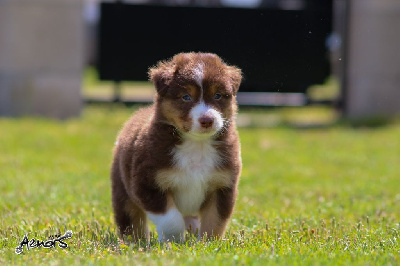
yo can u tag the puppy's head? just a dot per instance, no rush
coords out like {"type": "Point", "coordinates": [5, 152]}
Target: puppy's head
{"type": "Point", "coordinates": [196, 92]}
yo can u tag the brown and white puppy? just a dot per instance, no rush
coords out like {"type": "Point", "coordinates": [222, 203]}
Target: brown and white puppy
{"type": "Point", "coordinates": [178, 161]}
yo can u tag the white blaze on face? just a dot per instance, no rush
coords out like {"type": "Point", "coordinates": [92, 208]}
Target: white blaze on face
{"type": "Point", "coordinates": [198, 74]}
{"type": "Point", "coordinates": [203, 110]}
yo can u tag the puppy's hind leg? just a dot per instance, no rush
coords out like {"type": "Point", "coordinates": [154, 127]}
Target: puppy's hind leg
{"type": "Point", "coordinates": [138, 218]}
{"type": "Point", "coordinates": [129, 217]}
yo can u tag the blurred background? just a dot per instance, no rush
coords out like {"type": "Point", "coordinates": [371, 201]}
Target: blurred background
{"type": "Point", "coordinates": [56, 56]}
{"type": "Point", "coordinates": [318, 120]}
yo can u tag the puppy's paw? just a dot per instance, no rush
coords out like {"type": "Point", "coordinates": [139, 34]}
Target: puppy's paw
{"type": "Point", "coordinates": [170, 225]}
{"type": "Point", "coordinates": [192, 224]}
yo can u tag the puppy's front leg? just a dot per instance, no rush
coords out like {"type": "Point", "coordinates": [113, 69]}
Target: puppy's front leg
{"type": "Point", "coordinates": [170, 224]}
{"type": "Point", "coordinates": [216, 212]}
{"type": "Point", "coordinates": [192, 224]}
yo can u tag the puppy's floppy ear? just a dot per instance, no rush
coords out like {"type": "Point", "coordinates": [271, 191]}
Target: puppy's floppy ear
{"type": "Point", "coordinates": [235, 77]}
{"type": "Point", "coordinates": [161, 75]}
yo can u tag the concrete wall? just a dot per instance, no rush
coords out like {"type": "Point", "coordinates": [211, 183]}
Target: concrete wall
{"type": "Point", "coordinates": [373, 63]}
{"type": "Point", "coordinates": [41, 57]}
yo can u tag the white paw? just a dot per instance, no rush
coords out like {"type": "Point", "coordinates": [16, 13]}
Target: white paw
{"type": "Point", "coordinates": [170, 225]}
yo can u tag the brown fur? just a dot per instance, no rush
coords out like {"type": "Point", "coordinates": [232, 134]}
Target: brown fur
{"type": "Point", "coordinates": [143, 163]}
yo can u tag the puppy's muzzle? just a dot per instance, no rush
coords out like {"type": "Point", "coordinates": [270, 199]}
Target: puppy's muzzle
{"type": "Point", "coordinates": [206, 121]}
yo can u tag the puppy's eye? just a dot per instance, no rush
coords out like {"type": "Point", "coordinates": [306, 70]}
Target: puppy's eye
{"type": "Point", "coordinates": [186, 98]}
{"type": "Point", "coordinates": [217, 96]}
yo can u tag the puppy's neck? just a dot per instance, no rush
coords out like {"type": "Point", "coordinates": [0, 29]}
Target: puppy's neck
{"type": "Point", "coordinates": [161, 126]}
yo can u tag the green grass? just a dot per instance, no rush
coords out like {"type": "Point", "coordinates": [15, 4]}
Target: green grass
{"type": "Point", "coordinates": [306, 196]}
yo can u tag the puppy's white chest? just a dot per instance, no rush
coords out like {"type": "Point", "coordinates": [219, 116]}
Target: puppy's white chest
{"type": "Point", "coordinates": [195, 162]}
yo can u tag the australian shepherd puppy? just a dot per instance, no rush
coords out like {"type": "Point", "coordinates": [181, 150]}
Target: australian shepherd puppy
{"type": "Point", "coordinates": [177, 162]}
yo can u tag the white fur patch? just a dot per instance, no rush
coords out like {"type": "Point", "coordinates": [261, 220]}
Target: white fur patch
{"type": "Point", "coordinates": [170, 226]}
{"type": "Point", "coordinates": [200, 110]}
{"type": "Point", "coordinates": [196, 162]}
{"type": "Point", "coordinates": [198, 74]}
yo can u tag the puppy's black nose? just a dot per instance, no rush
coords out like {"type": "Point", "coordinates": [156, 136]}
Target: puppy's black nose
{"type": "Point", "coordinates": [206, 121]}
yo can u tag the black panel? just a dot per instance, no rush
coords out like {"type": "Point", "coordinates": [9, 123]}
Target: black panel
{"type": "Point", "coordinates": [278, 50]}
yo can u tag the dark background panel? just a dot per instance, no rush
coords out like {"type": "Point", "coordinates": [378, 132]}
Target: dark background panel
{"type": "Point", "coordinates": [278, 50]}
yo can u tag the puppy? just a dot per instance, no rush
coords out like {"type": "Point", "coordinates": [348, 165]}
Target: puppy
{"type": "Point", "coordinates": [178, 161]}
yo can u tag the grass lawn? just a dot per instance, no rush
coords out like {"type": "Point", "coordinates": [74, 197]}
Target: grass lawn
{"type": "Point", "coordinates": [306, 196]}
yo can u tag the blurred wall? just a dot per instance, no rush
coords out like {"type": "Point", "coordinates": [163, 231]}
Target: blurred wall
{"type": "Point", "coordinates": [41, 57]}
{"type": "Point", "coordinates": [372, 86]}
